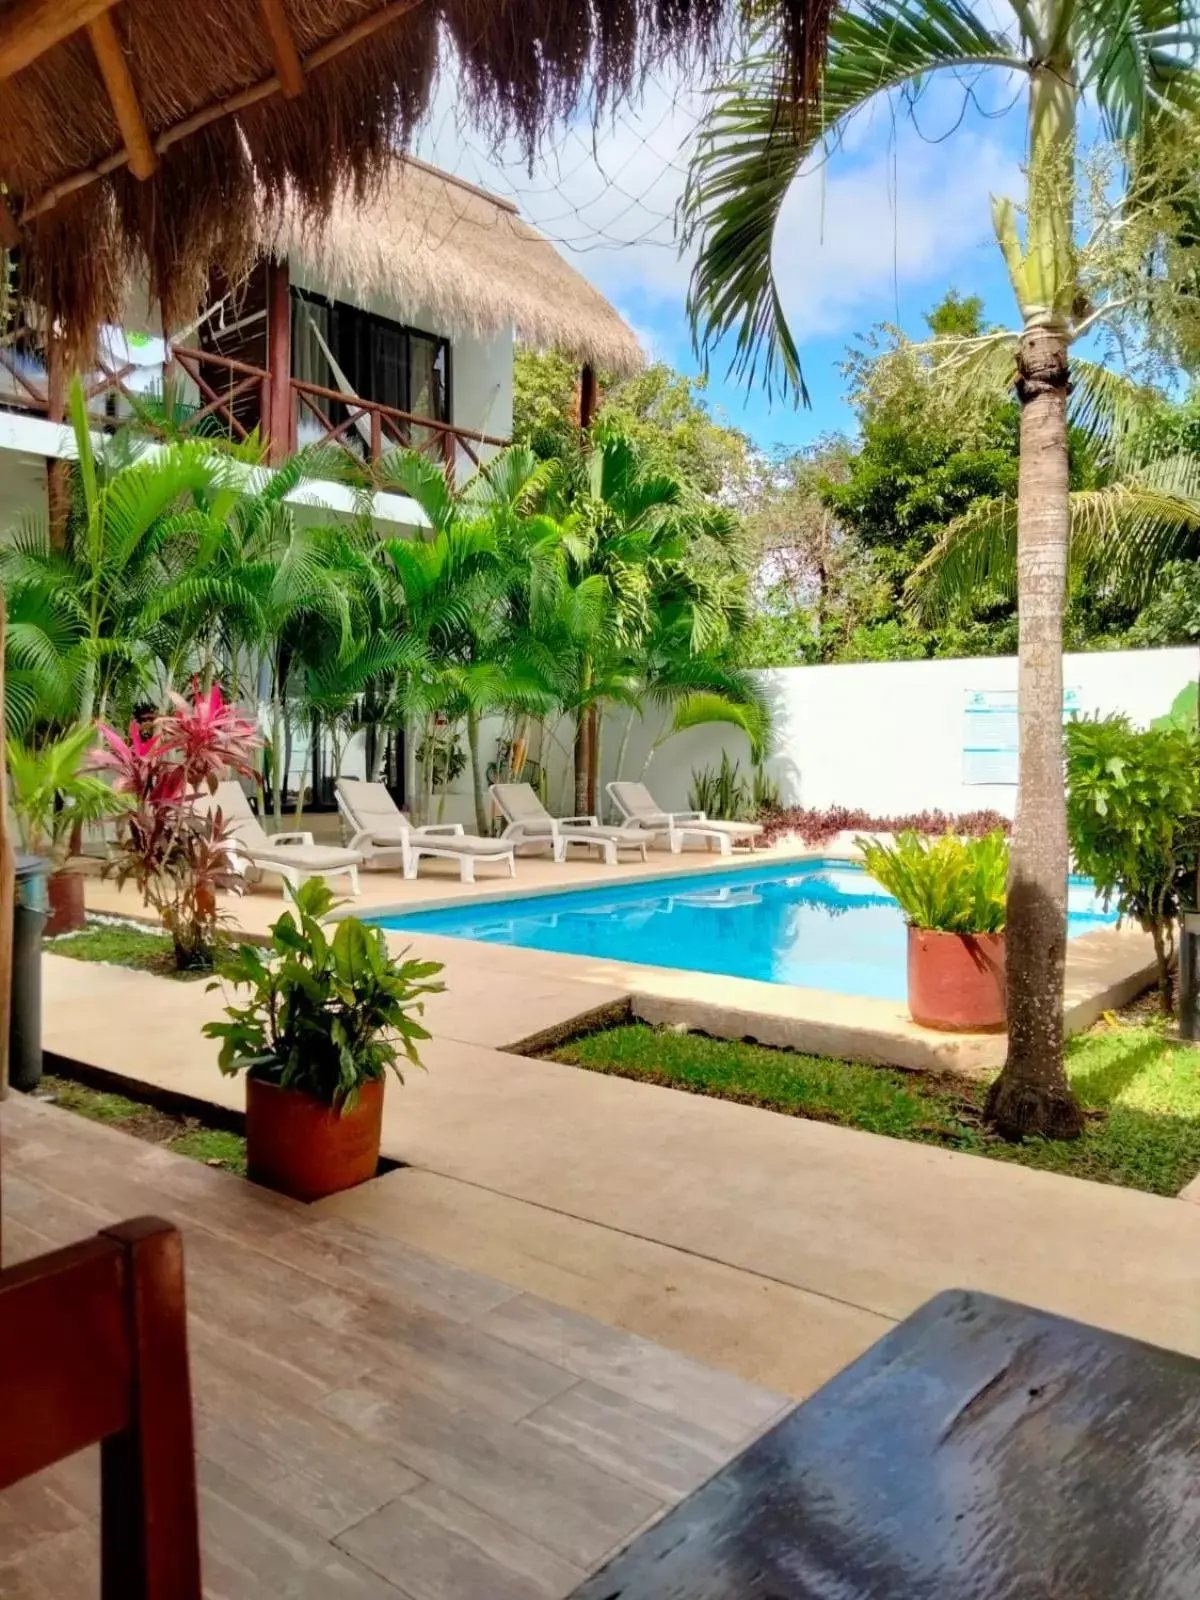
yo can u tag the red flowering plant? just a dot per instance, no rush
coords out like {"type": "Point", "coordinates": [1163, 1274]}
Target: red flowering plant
{"type": "Point", "coordinates": [177, 855]}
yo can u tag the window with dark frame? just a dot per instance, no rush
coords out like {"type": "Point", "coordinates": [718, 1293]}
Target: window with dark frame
{"type": "Point", "coordinates": [341, 348]}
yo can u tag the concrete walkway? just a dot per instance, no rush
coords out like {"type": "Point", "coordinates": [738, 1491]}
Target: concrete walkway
{"type": "Point", "coordinates": [775, 1247]}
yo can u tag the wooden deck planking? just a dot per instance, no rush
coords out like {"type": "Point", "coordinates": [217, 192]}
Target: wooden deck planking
{"type": "Point", "coordinates": [372, 1422]}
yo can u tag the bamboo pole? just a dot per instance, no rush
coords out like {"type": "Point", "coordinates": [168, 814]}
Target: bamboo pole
{"type": "Point", "coordinates": [118, 81]}
{"type": "Point", "coordinates": [35, 26]}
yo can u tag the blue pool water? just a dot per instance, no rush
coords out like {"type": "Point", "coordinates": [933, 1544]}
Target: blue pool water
{"type": "Point", "coordinates": [821, 924]}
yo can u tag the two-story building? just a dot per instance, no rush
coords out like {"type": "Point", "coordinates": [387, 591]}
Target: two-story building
{"type": "Point", "coordinates": [393, 323]}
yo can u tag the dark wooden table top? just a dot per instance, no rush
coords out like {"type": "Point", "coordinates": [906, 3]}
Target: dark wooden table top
{"type": "Point", "coordinates": [981, 1449]}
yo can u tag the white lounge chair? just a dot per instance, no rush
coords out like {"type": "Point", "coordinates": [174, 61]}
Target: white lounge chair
{"type": "Point", "coordinates": [293, 856]}
{"type": "Point", "coordinates": [640, 810]}
{"type": "Point", "coordinates": [528, 822]}
{"type": "Point", "coordinates": [380, 829]}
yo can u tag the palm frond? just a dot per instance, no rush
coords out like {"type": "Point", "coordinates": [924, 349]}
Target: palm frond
{"type": "Point", "coordinates": [750, 151]}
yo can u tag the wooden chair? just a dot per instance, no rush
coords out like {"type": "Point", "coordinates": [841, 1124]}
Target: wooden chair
{"type": "Point", "coordinates": [93, 1348]}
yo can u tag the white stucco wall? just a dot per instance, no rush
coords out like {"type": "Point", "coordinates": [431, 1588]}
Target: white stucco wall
{"type": "Point", "coordinates": [885, 737]}
{"type": "Point", "coordinates": [889, 736]}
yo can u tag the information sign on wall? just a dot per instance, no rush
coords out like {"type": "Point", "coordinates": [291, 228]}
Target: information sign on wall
{"type": "Point", "coordinates": [990, 734]}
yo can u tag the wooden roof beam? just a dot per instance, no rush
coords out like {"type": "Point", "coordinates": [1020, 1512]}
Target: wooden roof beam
{"type": "Point", "coordinates": [288, 67]}
{"type": "Point", "coordinates": [241, 101]}
{"type": "Point", "coordinates": [114, 69]}
{"type": "Point", "coordinates": [35, 26]}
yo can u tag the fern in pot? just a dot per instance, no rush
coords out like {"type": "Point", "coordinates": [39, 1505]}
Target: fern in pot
{"type": "Point", "coordinates": [329, 1015]}
{"type": "Point", "coordinates": [952, 893]}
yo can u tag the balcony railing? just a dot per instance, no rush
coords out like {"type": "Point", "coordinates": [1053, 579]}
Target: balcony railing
{"type": "Point", "coordinates": [202, 393]}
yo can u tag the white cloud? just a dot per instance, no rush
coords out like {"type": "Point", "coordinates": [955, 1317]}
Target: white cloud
{"type": "Point", "coordinates": [890, 210]}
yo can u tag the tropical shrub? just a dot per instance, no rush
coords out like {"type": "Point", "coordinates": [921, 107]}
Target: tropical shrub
{"type": "Point", "coordinates": [817, 825]}
{"type": "Point", "coordinates": [1133, 814]}
{"type": "Point", "coordinates": [948, 885]}
{"type": "Point", "coordinates": [52, 795]}
{"type": "Point", "coordinates": [326, 1014]}
{"type": "Point", "coordinates": [176, 855]}
{"type": "Point", "coordinates": [720, 791]}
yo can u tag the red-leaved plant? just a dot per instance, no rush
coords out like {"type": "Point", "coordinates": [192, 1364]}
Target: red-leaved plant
{"type": "Point", "coordinates": [819, 826]}
{"type": "Point", "coordinates": [178, 856]}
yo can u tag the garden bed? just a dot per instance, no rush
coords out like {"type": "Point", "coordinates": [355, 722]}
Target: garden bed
{"type": "Point", "coordinates": [1139, 1088]}
{"type": "Point", "coordinates": [185, 1136]}
{"type": "Point", "coordinates": [122, 944]}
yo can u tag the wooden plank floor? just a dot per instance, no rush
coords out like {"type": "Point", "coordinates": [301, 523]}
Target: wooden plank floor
{"type": "Point", "coordinates": [371, 1422]}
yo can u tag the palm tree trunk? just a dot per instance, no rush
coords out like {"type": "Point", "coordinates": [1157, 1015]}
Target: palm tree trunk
{"type": "Point", "coordinates": [583, 728]}
{"type": "Point", "coordinates": [1032, 1094]}
{"type": "Point", "coordinates": [482, 823]}
{"type": "Point", "coordinates": [595, 735]}
{"type": "Point", "coordinates": [277, 760]}
{"type": "Point", "coordinates": [623, 747]}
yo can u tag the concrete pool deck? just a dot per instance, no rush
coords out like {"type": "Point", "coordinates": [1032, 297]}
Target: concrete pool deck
{"type": "Point", "coordinates": [772, 1246]}
{"type": "Point", "coordinates": [521, 997]}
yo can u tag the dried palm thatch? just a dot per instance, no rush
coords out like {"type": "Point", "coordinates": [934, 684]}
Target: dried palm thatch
{"type": "Point", "coordinates": [447, 255]}
{"type": "Point", "coordinates": [213, 101]}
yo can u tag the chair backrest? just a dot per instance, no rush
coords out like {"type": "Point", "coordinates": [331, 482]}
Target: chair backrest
{"type": "Point", "coordinates": [369, 805]}
{"type": "Point", "coordinates": [519, 802]}
{"type": "Point", "coordinates": [93, 1349]}
{"type": "Point", "coordinates": [230, 800]}
{"type": "Point", "coordinates": [635, 800]}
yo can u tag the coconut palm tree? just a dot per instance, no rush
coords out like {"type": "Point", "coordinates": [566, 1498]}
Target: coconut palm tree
{"type": "Point", "coordinates": [1134, 65]}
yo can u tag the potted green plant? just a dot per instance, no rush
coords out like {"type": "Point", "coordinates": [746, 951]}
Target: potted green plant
{"type": "Point", "coordinates": [328, 1015]}
{"type": "Point", "coordinates": [52, 796]}
{"type": "Point", "coordinates": [952, 894]}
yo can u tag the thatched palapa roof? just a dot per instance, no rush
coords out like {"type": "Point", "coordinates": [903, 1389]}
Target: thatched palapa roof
{"type": "Point", "coordinates": [465, 261]}
{"type": "Point", "coordinates": [135, 135]}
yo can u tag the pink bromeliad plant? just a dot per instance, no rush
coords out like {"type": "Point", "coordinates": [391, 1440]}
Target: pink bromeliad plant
{"type": "Point", "coordinates": [176, 854]}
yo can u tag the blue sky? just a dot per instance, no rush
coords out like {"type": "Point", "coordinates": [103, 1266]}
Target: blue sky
{"type": "Point", "coordinates": [895, 216]}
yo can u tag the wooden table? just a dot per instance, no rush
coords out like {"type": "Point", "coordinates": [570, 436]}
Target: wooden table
{"type": "Point", "coordinates": [981, 1449]}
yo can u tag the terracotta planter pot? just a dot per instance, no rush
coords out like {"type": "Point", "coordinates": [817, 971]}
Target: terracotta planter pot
{"type": "Point", "coordinates": [300, 1147]}
{"type": "Point", "coordinates": [956, 980]}
{"type": "Point", "coordinates": [67, 912]}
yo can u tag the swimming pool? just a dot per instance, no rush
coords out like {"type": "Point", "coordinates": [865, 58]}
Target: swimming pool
{"type": "Point", "coordinates": [820, 924]}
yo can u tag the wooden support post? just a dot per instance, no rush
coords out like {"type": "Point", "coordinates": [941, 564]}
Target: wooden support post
{"type": "Point", "coordinates": [288, 67]}
{"type": "Point", "coordinates": [114, 69]}
{"type": "Point", "coordinates": [587, 395]}
{"type": "Point", "coordinates": [279, 425]}
{"type": "Point", "coordinates": [35, 26]}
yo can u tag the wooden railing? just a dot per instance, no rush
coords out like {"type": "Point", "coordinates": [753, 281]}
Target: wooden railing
{"type": "Point", "coordinates": [235, 397]}
{"type": "Point", "coordinates": [369, 428]}
{"type": "Point", "coordinates": [235, 400]}
{"type": "Point", "coordinates": [33, 394]}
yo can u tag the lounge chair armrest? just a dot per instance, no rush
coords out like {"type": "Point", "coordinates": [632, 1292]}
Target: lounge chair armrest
{"type": "Point", "coordinates": [451, 828]}
{"type": "Point", "coordinates": [688, 816]}
{"type": "Point", "coordinates": [377, 838]}
{"type": "Point", "coordinates": [295, 837]}
{"type": "Point", "coordinates": [581, 822]}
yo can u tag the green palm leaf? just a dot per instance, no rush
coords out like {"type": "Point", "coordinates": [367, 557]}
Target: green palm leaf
{"type": "Point", "coordinates": [750, 151]}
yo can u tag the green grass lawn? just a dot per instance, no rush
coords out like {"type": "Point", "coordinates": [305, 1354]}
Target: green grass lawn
{"type": "Point", "coordinates": [122, 947]}
{"type": "Point", "coordinates": [1141, 1092]}
{"type": "Point", "coordinates": [184, 1135]}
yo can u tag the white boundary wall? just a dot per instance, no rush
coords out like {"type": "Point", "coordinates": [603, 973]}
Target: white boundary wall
{"type": "Point", "coordinates": [887, 736]}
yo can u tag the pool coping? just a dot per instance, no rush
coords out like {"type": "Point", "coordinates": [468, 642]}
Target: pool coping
{"type": "Point", "coordinates": [1106, 969]}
